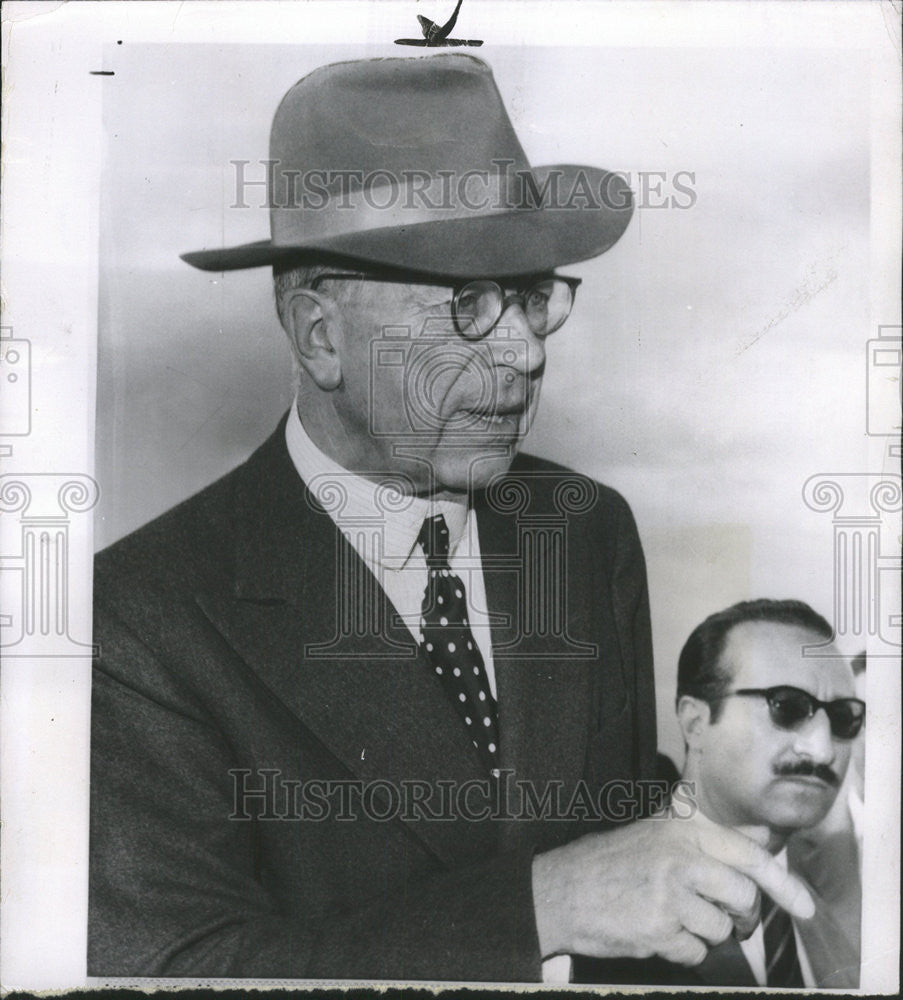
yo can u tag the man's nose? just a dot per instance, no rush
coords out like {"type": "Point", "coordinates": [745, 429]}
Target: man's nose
{"type": "Point", "coordinates": [814, 740]}
{"type": "Point", "coordinates": [515, 344]}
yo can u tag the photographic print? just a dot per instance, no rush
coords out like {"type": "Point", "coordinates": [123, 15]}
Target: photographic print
{"type": "Point", "coordinates": [451, 495]}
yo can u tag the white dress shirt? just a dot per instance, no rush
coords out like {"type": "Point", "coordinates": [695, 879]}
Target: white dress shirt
{"type": "Point", "coordinates": [382, 526]}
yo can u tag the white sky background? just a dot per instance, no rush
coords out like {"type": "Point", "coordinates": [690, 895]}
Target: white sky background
{"type": "Point", "coordinates": [715, 360]}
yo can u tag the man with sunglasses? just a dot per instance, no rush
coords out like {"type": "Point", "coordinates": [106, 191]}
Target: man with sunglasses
{"type": "Point", "coordinates": [337, 688]}
{"type": "Point", "coordinates": [769, 716]}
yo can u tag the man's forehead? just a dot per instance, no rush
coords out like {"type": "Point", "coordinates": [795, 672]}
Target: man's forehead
{"type": "Point", "coordinates": [411, 291]}
{"type": "Point", "coordinates": [766, 654]}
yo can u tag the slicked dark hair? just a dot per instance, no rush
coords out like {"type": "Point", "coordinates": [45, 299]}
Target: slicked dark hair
{"type": "Point", "coordinates": [700, 672]}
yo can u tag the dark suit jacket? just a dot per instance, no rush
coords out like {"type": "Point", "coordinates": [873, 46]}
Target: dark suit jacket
{"type": "Point", "coordinates": [223, 648]}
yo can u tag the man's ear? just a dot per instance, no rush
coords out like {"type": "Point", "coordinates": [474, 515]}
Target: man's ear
{"type": "Point", "coordinates": [694, 718]}
{"type": "Point", "coordinates": [307, 320]}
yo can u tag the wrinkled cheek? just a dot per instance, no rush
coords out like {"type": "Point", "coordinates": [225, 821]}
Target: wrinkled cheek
{"type": "Point", "coordinates": [479, 387]}
{"type": "Point", "coordinates": [436, 385]}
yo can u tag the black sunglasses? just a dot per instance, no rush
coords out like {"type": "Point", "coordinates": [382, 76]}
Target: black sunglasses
{"type": "Point", "coordinates": [790, 706]}
{"type": "Point", "coordinates": [478, 305]}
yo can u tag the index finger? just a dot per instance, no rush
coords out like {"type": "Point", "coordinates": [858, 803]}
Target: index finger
{"type": "Point", "coordinates": [746, 856]}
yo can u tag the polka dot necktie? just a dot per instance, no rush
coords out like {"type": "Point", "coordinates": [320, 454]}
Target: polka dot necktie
{"type": "Point", "coordinates": [781, 960]}
{"type": "Point", "coordinates": [450, 645]}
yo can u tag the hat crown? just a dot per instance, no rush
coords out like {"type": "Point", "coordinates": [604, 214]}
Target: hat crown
{"type": "Point", "coordinates": [400, 116]}
{"type": "Point", "coordinates": [413, 164]}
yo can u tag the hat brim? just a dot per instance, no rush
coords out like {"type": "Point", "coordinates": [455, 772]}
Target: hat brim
{"type": "Point", "coordinates": [580, 225]}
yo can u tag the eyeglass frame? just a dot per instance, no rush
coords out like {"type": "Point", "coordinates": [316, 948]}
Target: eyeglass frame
{"type": "Point", "coordinates": [508, 298]}
{"type": "Point", "coordinates": [814, 706]}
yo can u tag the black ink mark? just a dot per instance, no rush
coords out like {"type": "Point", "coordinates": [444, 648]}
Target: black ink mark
{"type": "Point", "coordinates": [434, 36]}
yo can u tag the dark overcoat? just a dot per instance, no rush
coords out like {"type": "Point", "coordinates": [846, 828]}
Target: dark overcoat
{"type": "Point", "coordinates": [242, 641]}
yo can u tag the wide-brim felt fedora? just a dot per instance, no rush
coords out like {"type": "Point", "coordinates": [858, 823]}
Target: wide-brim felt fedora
{"type": "Point", "coordinates": [413, 164]}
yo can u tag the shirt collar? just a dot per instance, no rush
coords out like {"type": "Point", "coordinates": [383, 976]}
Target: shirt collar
{"type": "Point", "coordinates": [363, 506]}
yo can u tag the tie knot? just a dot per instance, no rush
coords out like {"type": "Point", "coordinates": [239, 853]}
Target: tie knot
{"type": "Point", "coordinates": [434, 540]}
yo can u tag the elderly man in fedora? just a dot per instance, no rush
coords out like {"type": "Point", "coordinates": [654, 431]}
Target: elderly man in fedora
{"type": "Point", "coordinates": [379, 703]}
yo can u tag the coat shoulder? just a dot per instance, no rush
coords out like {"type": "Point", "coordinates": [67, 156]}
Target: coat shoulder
{"type": "Point", "coordinates": [177, 544]}
{"type": "Point", "coordinates": [546, 475]}
{"type": "Point", "coordinates": [192, 543]}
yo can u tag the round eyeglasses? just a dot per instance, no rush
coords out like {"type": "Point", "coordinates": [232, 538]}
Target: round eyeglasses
{"type": "Point", "coordinates": [478, 305]}
{"type": "Point", "coordinates": [546, 304]}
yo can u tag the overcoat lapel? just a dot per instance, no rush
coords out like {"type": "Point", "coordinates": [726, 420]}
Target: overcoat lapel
{"type": "Point", "coordinates": [366, 695]}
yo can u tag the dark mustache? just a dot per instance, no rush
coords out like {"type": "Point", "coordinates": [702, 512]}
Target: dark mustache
{"type": "Point", "coordinates": [808, 769]}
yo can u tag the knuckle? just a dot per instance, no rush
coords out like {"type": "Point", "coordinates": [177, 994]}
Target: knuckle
{"type": "Point", "coordinates": [746, 894]}
{"type": "Point", "coordinates": [697, 953]}
{"type": "Point", "coordinates": [688, 950]}
{"type": "Point", "coordinates": [723, 927]}
{"type": "Point", "coordinates": [710, 922]}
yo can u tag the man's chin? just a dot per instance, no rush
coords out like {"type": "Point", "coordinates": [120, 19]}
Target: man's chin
{"type": "Point", "coordinates": [800, 813]}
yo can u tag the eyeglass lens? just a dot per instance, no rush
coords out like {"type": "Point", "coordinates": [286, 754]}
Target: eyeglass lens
{"type": "Point", "coordinates": [790, 706]}
{"type": "Point", "coordinates": [479, 305]}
